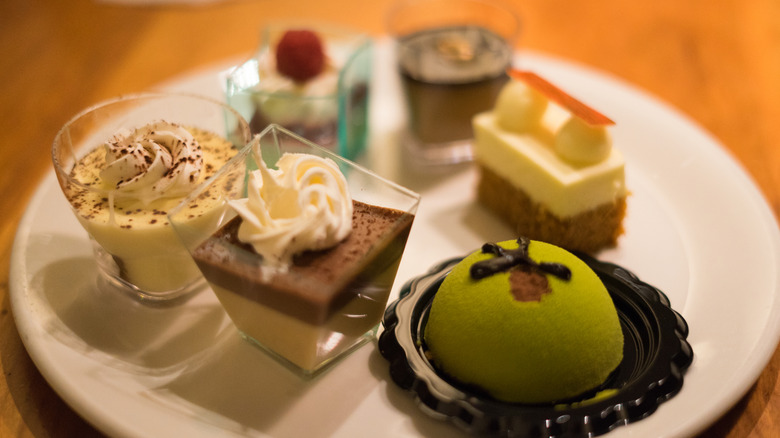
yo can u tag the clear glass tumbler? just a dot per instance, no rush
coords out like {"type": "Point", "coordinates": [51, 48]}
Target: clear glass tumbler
{"type": "Point", "coordinates": [136, 249]}
{"type": "Point", "coordinates": [328, 302]}
{"type": "Point", "coordinates": [452, 56]}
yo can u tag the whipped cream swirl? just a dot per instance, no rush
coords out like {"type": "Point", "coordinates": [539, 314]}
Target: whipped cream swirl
{"type": "Point", "coordinates": [302, 205]}
{"type": "Point", "coordinates": [159, 160]}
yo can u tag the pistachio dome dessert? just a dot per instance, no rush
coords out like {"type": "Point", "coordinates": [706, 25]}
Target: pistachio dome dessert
{"type": "Point", "coordinates": [525, 322]}
{"type": "Point", "coordinates": [303, 269]}
{"type": "Point", "coordinates": [548, 166]}
{"type": "Point", "coordinates": [122, 190]}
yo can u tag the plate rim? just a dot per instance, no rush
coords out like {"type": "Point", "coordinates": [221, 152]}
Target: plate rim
{"type": "Point", "coordinates": [763, 351]}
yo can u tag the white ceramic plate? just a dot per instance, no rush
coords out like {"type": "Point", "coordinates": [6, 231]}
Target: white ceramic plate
{"type": "Point", "coordinates": [697, 228]}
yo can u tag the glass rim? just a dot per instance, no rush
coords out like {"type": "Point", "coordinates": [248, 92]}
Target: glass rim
{"type": "Point", "coordinates": [58, 167]}
{"type": "Point", "coordinates": [501, 5]}
{"type": "Point", "coordinates": [336, 157]}
{"type": "Point", "coordinates": [273, 128]}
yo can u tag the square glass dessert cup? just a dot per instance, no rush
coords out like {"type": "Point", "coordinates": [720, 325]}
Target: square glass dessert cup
{"type": "Point", "coordinates": [330, 110]}
{"type": "Point", "coordinates": [322, 308]}
{"type": "Point", "coordinates": [136, 250]}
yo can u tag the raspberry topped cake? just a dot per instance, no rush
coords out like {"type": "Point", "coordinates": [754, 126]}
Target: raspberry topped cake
{"type": "Point", "coordinates": [310, 79]}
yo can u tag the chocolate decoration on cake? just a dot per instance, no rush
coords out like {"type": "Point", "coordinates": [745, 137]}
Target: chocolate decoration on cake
{"type": "Point", "coordinates": [507, 259]}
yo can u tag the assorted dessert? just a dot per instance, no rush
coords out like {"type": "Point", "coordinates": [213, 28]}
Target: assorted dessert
{"type": "Point", "coordinates": [311, 81]}
{"type": "Point", "coordinates": [449, 74]}
{"type": "Point", "coordinates": [525, 322]}
{"type": "Point", "coordinates": [294, 81]}
{"type": "Point", "coordinates": [524, 338]}
{"type": "Point", "coordinates": [548, 167]}
{"type": "Point", "coordinates": [122, 190]}
{"type": "Point", "coordinates": [303, 269]}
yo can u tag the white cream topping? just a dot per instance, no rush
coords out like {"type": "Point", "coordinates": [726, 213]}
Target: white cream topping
{"type": "Point", "coordinates": [302, 205]}
{"type": "Point", "coordinates": [158, 160]}
{"type": "Point", "coordinates": [529, 162]}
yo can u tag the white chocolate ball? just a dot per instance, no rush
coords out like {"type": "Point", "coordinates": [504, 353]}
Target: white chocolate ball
{"type": "Point", "coordinates": [579, 142]}
{"type": "Point", "coordinates": [519, 108]}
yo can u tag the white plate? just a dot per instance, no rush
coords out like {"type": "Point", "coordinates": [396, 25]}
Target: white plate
{"type": "Point", "coordinates": [697, 228]}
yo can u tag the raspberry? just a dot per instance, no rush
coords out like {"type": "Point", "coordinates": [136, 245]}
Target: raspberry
{"type": "Point", "coordinates": [300, 55]}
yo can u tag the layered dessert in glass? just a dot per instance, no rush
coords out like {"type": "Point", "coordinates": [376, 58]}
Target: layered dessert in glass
{"type": "Point", "coordinates": [452, 57]}
{"type": "Point", "coordinates": [305, 251]}
{"type": "Point", "coordinates": [310, 78]}
{"type": "Point", "coordinates": [124, 163]}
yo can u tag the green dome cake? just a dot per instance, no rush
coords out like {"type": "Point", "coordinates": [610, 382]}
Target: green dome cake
{"type": "Point", "coordinates": [526, 322]}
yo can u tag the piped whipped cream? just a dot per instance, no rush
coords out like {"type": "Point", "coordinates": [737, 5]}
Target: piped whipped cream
{"type": "Point", "coordinates": [158, 160]}
{"type": "Point", "coordinates": [302, 205]}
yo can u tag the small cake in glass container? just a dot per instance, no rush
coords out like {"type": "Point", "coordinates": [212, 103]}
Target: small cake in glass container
{"type": "Point", "coordinates": [124, 163]}
{"type": "Point", "coordinates": [548, 166]}
{"type": "Point", "coordinates": [310, 78]}
{"type": "Point", "coordinates": [306, 251]}
{"type": "Point", "coordinates": [452, 57]}
{"type": "Point", "coordinates": [524, 338]}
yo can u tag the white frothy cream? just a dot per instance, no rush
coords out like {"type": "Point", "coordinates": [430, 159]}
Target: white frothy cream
{"type": "Point", "coordinates": [302, 205]}
{"type": "Point", "coordinates": [158, 160]}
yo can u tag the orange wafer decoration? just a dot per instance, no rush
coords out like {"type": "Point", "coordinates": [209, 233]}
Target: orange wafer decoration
{"type": "Point", "coordinates": [576, 107]}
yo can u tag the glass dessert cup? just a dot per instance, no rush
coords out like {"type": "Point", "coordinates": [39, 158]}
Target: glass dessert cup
{"type": "Point", "coordinates": [452, 57]}
{"type": "Point", "coordinates": [136, 250]}
{"type": "Point", "coordinates": [305, 320]}
{"type": "Point", "coordinates": [330, 110]}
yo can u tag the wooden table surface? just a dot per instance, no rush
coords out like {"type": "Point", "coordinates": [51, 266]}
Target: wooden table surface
{"type": "Point", "coordinates": [718, 62]}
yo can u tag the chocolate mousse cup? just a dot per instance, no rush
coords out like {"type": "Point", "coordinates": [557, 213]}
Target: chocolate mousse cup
{"type": "Point", "coordinates": [328, 302]}
{"type": "Point", "coordinates": [330, 110]}
{"type": "Point", "coordinates": [136, 250]}
{"type": "Point", "coordinates": [452, 57]}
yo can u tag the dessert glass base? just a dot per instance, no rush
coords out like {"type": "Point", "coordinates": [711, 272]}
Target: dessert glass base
{"type": "Point", "coordinates": [111, 277]}
{"type": "Point", "coordinates": [320, 367]}
{"type": "Point", "coordinates": [322, 305]}
{"type": "Point", "coordinates": [424, 155]}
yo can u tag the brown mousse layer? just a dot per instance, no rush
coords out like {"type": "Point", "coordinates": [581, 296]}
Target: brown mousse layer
{"type": "Point", "coordinates": [319, 282]}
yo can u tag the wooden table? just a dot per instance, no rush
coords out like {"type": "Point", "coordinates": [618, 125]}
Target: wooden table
{"type": "Point", "coordinates": [718, 62]}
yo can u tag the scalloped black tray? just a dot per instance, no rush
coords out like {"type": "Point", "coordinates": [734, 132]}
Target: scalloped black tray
{"type": "Point", "coordinates": [656, 354]}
